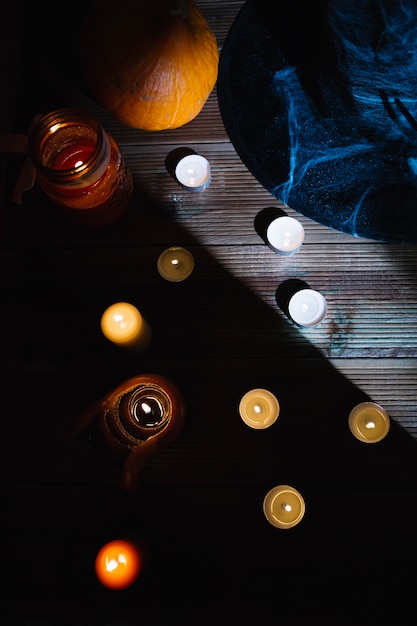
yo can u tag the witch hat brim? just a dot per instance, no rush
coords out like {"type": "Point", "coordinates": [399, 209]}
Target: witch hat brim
{"type": "Point", "coordinates": [344, 158]}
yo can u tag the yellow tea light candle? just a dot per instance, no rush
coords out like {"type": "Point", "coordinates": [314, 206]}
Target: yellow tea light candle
{"type": "Point", "coordinates": [284, 506]}
{"type": "Point", "coordinates": [175, 264]}
{"type": "Point", "coordinates": [259, 408]}
{"type": "Point", "coordinates": [285, 235]}
{"type": "Point", "coordinates": [369, 422]}
{"type": "Point", "coordinates": [307, 307]}
{"type": "Point", "coordinates": [124, 326]}
{"type": "Point", "coordinates": [193, 172]}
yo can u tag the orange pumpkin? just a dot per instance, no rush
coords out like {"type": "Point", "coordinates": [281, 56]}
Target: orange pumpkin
{"type": "Point", "coordinates": [151, 63]}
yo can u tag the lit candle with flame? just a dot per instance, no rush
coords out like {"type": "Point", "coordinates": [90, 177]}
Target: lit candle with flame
{"type": "Point", "coordinates": [285, 235]}
{"type": "Point", "coordinates": [193, 172]}
{"type": "Point", "coordinates": [284, 506]}
{"type": "Point", "coordinates": [307, 307]}
{"type": "Point", "coordinates": [259, 408]}
{"type": "Point", "coordinates": [124, 326]}
{"type": "Point", "coordinates": [369, 422]}
{"type": "Point", "coordinates": [118, 564]}
{"type": "Point", "coordinates": [175, 264]}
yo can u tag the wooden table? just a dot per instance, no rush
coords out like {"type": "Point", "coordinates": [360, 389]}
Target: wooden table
{"type": "Point", "coordinates": [213, 558]}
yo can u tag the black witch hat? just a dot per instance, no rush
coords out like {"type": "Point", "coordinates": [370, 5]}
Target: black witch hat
{"type": "Point", "coordinates": [320, 102]}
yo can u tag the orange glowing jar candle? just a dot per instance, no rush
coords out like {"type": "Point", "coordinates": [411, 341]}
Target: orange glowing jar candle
{"type": "Point", "coordinates": [80, 167]}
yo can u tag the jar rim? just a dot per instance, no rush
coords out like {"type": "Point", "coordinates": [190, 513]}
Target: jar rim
{"type": "Point", "coordinates": [46, 126]}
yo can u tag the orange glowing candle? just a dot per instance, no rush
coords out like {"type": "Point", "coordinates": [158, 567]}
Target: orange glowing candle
{"type": "Point", "coordinates": [124, 325]}
{"type": "Point", "coordinates": [118, 564]}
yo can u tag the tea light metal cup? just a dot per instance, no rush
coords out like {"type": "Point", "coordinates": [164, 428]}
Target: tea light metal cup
{"type": "Point", "coordinates": [307, 307]}
{"type": "Point", "coordinates": [284, 506]}
{"type": "Point", "coordinates": [193, 172]}
{"type": "Point", "coordinates": [285, 235]}
{"type": "Point", "coordinates": [369, 422]}
{"type": "Point", "coordinates": [259, 408]}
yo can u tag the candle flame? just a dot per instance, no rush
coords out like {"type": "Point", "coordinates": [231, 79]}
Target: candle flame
{"type": "Point", "coordinates": [112, 564]}
{"type": "Point", "coordinates": [119, 319]}
{"type": "Point", "coordinates": [286, 507]}
{"type": "Point", "coordinates": [146, 408]}
{"type": "Point", "coordinates": [257, 408]}
{"type": "Point", "coordinates": [370, 424]}
{"type": "Point", "coordinates": [175, 262]}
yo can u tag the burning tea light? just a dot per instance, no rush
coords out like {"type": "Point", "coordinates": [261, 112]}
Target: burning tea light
{"type": "Point", "coordinates": [124, 325]}
{"type": "Point", "coordinates": [285, 235]}
{"type": "Point", "coordinates": [284, 506]}
{"type": "Point", "coordinates": [259, 408]}
{"type": "Point", "coordinates": [175, 264]}
{"type": "Point", "coordinates": [369, 422]}
{"type": "Point", "coordinates": [307, 307]}
{"type": "Point", "coordinates": [193, 172]}
{"type": "Point", "coordinates": [118, 564]}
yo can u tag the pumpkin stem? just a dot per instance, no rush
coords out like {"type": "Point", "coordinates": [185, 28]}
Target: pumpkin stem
{"type": "Point", "coordinates": [179, 8]}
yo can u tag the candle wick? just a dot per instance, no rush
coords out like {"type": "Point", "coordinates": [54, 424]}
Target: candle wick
{"type": "Point", "coordinates": [370, 424]}
{"type": "Point", "coordinates": [286, 507]}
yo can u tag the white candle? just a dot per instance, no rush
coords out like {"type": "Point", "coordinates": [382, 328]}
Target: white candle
{"type": "Point", "coordinates": [369, 422]}
{"type": "Point", "coordinates": [193, 172]}
{"type": "Point", "coordinates": [285, 235]}
{"type": "Point", "coordinates": [124, 326]}
{"type": "Point", "coordinates": [284, 506]}
{"type": "Point", "coordinates": [259, 408]}
{"type": "Point", "coordinates": [307, 307]}
{"type": "Point", "coordinates": [175, 264]}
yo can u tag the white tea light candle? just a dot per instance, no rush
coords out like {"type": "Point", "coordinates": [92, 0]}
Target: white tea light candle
{"type": "Point", "coordinates": [284, 506]}
{"type": "Point", "coordinates": [307, 307]}
{"type": "Point", "coordinates": [193, 172]}
{"type": "Point", "coordinates": [259, 408]}
{"type": "Point", "coordinates": [369, 422]}
{"type": "Point", "coordinates": [175, 264]}
{"type": "Point", "coordinates": [285, 235]}
{"type": "Point", "coordinates": [124, 326]}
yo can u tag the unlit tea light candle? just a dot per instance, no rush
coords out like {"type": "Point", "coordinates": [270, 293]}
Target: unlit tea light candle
{"type": "Point", "coordinates": [285, 235]}
{"type": "Point", "coordinates": [124, 326]}
{"type": "Point", "coordinates": [193, 172]}
{"type": "Point", "coordinates": [259, 408]}
{"type": "Point", "coordinates": [284, 506]}
{"type": "Point", "coordinates": [175, 264]}
{"type": "Point", "coordinates": [307, 307]}
{"type": "Point", "coordinates": [369, 422]}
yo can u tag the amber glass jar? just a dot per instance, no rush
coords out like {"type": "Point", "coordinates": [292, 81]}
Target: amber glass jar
{"type": "Point", "coordinates": [133, 422]}
{"type": "Point", "coordinates": [80, 168]}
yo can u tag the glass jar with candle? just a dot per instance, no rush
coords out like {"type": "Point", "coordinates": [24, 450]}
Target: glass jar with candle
{"type": "Point", "coordinates": [135, 420]}
{"type": "Point", "coordinates": [80, 168]}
